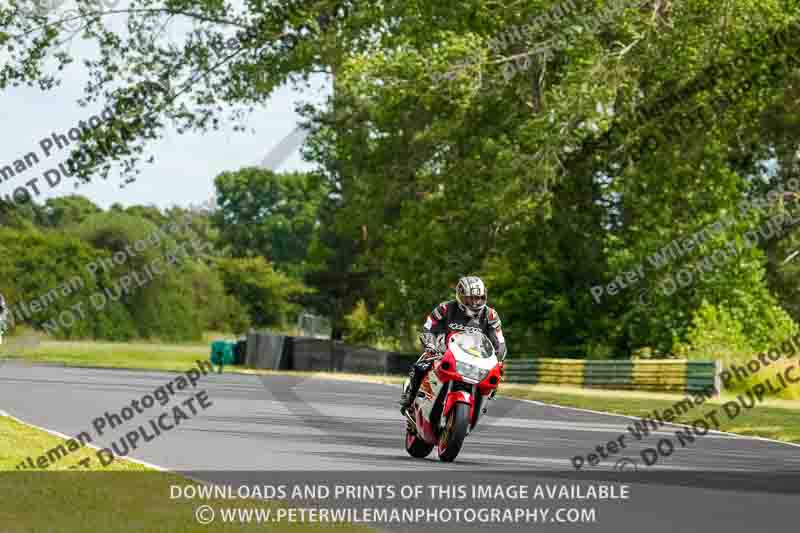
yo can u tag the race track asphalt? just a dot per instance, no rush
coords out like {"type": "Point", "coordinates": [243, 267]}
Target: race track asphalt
{"type": "Point", "coordinates": [279, 427]}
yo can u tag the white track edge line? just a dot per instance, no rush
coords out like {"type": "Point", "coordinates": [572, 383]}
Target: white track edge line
{"type": "Point", "coordinates": [127, 458]}
{"type": "Point", "coordinates": [67, 437]}
{"type": "Point", "coordinates": [143, 463]}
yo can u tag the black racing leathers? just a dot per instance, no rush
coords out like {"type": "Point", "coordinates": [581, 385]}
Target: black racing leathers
{"type": "Point", "coordinates": [448, 316]}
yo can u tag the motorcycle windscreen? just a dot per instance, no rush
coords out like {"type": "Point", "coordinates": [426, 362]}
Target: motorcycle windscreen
{"type": "Point", "coordinates": [475, 344]}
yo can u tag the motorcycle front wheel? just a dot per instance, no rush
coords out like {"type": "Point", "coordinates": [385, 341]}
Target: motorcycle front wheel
{"type": "Point", "coordinates": [453, 434]}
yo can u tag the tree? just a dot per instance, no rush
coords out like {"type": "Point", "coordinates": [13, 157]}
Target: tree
{"type": "Point", "coordinates": [43, 274]}
{"type": "Point", "coordinates": [230, 55]}
{"type": "Point", "coordinates": [262, 213]}
{"type": "Point", "coordinates": [49, 273]}
{"type": "Point", "coordinates": [66, 210]}
{"type": "Point", "coordinates": [634, 128]}
{"type": "Point", "coordinates": [540, 182]}
{"type": "Point", "coordinates": [268, 296]}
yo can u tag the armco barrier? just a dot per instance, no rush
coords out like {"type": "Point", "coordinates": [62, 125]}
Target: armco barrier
{"type": "Point", "coordinates": [652, 375]}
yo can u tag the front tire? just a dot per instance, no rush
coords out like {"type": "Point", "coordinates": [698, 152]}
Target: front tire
{"type": "Point", "coordinates": [416, 447]}
{"type": "Point", "coordinates": [454, 433]}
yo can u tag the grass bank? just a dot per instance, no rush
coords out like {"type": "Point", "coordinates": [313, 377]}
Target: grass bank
{"type": "Point", "coordinates": [121, 497]}
{"type": "Point", "coordinates": [176, 357]}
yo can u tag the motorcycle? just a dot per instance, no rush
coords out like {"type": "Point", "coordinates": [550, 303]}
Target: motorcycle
{"type": "Point", "coordinates": [453, 395]}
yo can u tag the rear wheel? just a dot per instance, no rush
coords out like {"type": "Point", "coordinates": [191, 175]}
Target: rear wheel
{"type": "Point", "coordinates": [453, 434]}
{"type": "Point", "coordinates": [416, 447]}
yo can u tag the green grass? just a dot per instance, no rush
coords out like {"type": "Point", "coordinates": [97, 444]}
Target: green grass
{"type": "Point", "coordinates": [149, 356]}
{"type": "Point", "coordinates": [122, 497]}
{"type": "Point", "coordinates": [18, 441]}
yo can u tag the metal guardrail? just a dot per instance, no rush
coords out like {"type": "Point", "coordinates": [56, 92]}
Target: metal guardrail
{"type": "Point", "coordinates": [653, 375]}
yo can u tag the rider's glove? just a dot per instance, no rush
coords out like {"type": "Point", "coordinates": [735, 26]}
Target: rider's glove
{"type": "Point", "coordinates": [440, 343]}
{"type": "Point", "coordinates": [433, 343]}
{"type": "Point", "coordinates": [428, 341]}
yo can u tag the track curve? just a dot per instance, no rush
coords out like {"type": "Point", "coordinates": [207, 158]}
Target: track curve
{"type": "Point", "coordinates": [287, 424]}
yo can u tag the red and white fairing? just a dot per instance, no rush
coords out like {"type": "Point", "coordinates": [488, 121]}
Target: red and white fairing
{"type": "Point", "coordinates": [464, 376]}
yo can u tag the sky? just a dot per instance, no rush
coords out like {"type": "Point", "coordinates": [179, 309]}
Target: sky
{"type": "Point", "coordinates": [185, 164]}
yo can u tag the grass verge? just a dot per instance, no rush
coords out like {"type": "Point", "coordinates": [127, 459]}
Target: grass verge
{"type": "Point", "coordinates": [176, 357]}
{"type": "Point", "coordinates": [122, 497]}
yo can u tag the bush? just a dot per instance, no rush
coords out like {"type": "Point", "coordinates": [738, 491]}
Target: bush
{"type": "Point", "coordinates": [714, 334]}
{"type": "Point", "coordinates": [362, 327]}
{"type": "Point", "coordinates": [50, 269]}
{"type": "Point", "coordinates": [218, 310]}
{"type": "Point", "coordinates": [791, 392]}
{"type": "Point", "coordinates": [51, 266]}
{"type": "Point", "coordinates": [368, 328]}
{"type": "Point", "coordinates": [267, 296]}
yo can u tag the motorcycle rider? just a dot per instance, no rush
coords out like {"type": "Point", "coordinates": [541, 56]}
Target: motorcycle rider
{"type": "Point", "coordinates": [469, 309]}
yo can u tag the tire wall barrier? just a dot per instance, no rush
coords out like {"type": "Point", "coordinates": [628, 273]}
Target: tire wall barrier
{"type": "Point", "coordinates": [266, 351]}
{"type": "Point", "coordinates": [275, 352]}
{"type": "Point", "coordinates": [648, 375]}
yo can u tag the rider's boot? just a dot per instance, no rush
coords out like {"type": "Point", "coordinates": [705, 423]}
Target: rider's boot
{"type": "Point", "coordinates": [414, 381]}
{"type": "Point", "coordinates": [502, 373]}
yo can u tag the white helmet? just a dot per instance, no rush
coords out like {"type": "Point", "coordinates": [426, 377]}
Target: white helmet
{"type": "Point", "coordinates": [471, 295]}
